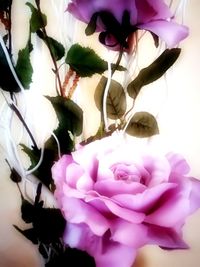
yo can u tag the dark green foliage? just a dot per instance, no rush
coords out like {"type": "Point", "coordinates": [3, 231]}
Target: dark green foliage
{"type": "Point", "coordinates": [14, 176]}
{"type": "Point", "coordinates": [57, 49]}
{"type": "Point", "coordinates": [85, 62]}
{"type": "Point", "coordinates": [70, 117]}
{"type": "Point", "coordinates": [5, 4]}
{"type": "Point", "coordinates": [116, 99]}
{"type": "Point", "coordinates": [48, 223]}
{"type": "Point", "coordinates": [23, 67]}
{"type": "Point", "coordinates": [71, 257]}
{"type": "Point", "coordinates": [69, 114]}
{"type": "Point", "coordinates": [7, 80]}
{"type": "Point", "coordinates": [48, 227]}
{"type": "Point", "coordinates": [143, 124]}
{"type": "Point", "coordinates": [37, 20]}
{"type": "Point", "coordinates": [153, 71]}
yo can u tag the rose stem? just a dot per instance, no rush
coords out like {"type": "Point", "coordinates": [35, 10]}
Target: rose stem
{"type": "Point", "coordinates": [56, 71]}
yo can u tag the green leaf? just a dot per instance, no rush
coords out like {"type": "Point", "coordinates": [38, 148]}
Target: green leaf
{"type": "Point", "coordinates": [37, 20]}
{"type": "Point", "coordinates": [32, 153]}
{"type": "Point", "coordinates": [85, 62]}
{"type": "Point", "coordinates": [70, 115]}
{"type": "Point", "coordinates": [116, 99]}
{"type": "Point", "coordinates": [23, 67]}
{"type": "Point", "coordinates": [43, 173]}
{"type": "Point", "coordinates": [7, 80]}
{"type": "Point", "coordinates": [70, 118]}
{"type": "Point", "coordinates": [143, 124]}
{"type": "Point", "coordinates": [153, 71]}
{"type": "Point", "coordinates": [56, 48]}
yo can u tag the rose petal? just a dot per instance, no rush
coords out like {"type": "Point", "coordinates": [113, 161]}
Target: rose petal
{"type": "Point", "coordinates": [129, 234]}
{"type": "Point", "coordinates": [178, 163]}
{"type": "Point", "coordinates": [167, 238]}
{"type": "Point", "coordinates": [174, 209]}
{"type": "Point", "coordinates": [148, 10]}
{"type": "Point", "coordinates": [105, 252]}
{"type": "Point", "coordinates": [85, 183]}
{"type": "Point", "coordinates": [59, 169]}
{"type": "Point", "coordinates": [110, 188]}
{"type": "Point", "coordinates": [126, 214]}
{"type": "Point", "coordinates": [84, 9]}
{"type": "Point", "coordinates": [73, 174]}
{"type": "Point", "coordinates": [158, 168]}
{"type": "Point", "coordinates": [194, 195]}
{"type": "Point", "coordinates": [76, 211]}
{"type": "Point", "coordinates": [145, 201]}
{"type": "Point", "coordinates": [170, 32]}
{"type": "Point", "coordinates": [80, 236]}
{"type": "Point", "coordinates": [115, 255]}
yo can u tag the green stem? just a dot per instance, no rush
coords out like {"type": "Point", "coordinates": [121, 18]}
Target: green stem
{"type": "Point", "coordinates": [13, 107]}
{"type": "Point", "coordinates": [108, 94]}
{"type": "Point", "coordinates": [9, 31]}
{"type": "Point", "coordinates": [56, 71]}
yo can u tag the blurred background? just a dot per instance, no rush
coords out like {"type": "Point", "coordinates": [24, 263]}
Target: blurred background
{"type": "Point", "coordinates": [175, 102]}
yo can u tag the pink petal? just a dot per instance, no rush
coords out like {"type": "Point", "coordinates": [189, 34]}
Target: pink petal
{"type": "Point", "coordinates": [73, 174]}
{"type": "Point", "coordinates": [158, 168]}
{"type": "Point", "coordinates": [195, 195]}
{"type": "Point", "coordinates": [71, 192]}
{"type": "Point", "coordinates": [124, 213]}
{"type": "Point", "coordinates": [178, 163]}
{"type": "Point", "coordinates": [59, 169]}
{"type": "Point", "coordinates": [145, 201]}
{"type": "Point", "coordinates": [174, 209]}
{"type": "Point", "coordinates": [84, 9]}
{"type": "Point", "coordinates": [129, 234]}
{"type": "Point", "coordinates": [170, 32]}
{"type": "Point", "coordinates": [85, 183]}
{"type": "Point", "coordinates": [166, 238]}
{"type": "Point", "coordinates": [80, 236]}
{"type": "Point", "coordinates": [115, 255]}
{"type": "Point", "coordinates": [110, 188]}
{"type": "Point", "coordinates": [87, 161]}
{"type": "Point", "coordinates": [149, 10]}
{"type": "Point", "coordinates": [105, 252]}
{"type": "Point", "coordinates": [77, 211]}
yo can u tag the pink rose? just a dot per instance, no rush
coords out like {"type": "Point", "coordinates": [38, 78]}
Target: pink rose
{"type": "Point", "coordinates": [118, 20]}
{"type": "Point", "coordinates": [117, 198]}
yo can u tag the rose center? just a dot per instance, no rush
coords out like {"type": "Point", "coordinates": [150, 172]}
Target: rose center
{"type": "Point", "coordinates": [127, 173]}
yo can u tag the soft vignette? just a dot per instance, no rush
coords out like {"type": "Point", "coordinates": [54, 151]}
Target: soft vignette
{"type": "Point", "coordinates": [178, 112]}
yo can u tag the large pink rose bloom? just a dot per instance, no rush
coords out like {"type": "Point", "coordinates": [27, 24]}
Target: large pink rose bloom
{"type": "Point", "coordinates": [117, 198]}
{"type": "Point", "coordinates": [127, 17]}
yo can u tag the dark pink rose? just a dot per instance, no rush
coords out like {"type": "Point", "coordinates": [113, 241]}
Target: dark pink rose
{"type": "Point", "coordinates": [118, 20]}
{"type": "Point", "coordinates": [116, 198]}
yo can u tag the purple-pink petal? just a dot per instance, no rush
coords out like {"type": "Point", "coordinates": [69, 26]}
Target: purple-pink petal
{"type": "Point", "coordinates": [148, 10]}
{"type": "Point", "coordinates": [170, 32]}
{"type": "Point", "coordinates": [174, 209]}
{"type": "Point", "coordinates": [167, 238]}
{"type": "Point", "coordinates": [111, 188]}
{"type": "Point", "coordinates": [77, 211]}
{"type": "Point", "coordinates": [124, 213]}
{"type": "Point", "coordinates": [145, 201]}
{"type": "Point", "coordinates": [115, 255]}
{"type": "Point", "coordinates": [106, 252]}
{"type": "Point", "coordinates": [178, 163]}
{"type": "Point", "coordinates": [129, 234]}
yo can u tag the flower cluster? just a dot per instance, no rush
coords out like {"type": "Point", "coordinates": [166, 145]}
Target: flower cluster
{"type": "Point", "coordinates": [118, 21]}
{"type": "Point", "coordinates": [117, 198]}
{"type": "Point", "coordinates": [114, 195]}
